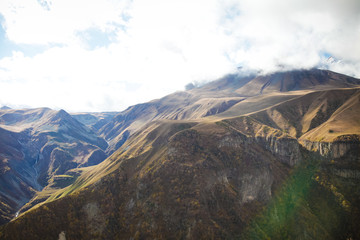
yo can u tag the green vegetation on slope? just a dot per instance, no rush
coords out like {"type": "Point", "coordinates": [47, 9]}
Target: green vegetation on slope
{"type": "Point", "coordinates": [308, 206]}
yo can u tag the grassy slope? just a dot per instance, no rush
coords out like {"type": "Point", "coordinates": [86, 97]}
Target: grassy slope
{"type": "Point", "coordinates": [316, 116]}
{"type": "Point", "coordinates": [343, 121]}
{"type": "Point", "coordinates": [194, 182]}
{"type": "Point", "coordinates": [146, 174]}
{"type": "Point", "coordinates": [310, 207]}
{"type": "Point", "coordinates": [311, 204]}
{"type": "Point", "coordinates": [249, 94]}
{"type": "Point", "coordinates": [143, 157]}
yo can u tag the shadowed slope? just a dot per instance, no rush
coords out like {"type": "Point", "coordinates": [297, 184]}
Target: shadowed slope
{"type": "Point", "coordinates": [171, 180]}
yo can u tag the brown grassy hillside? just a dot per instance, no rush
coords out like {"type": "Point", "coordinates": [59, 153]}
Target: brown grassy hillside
{"type": "Point", "coordinates": [279, 162]}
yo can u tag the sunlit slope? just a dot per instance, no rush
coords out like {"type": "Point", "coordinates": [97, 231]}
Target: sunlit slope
{"type": "Point", "coordinates": [215, 164]}
{"type": "Point", "coordinates": [213, 179]}
{"type": "Point", "coordinates": [344, 121]}
{"type": "Point", "coordinates": [230, 96]}
{"type": "Point", "coordinates": [316, 116]}
{"type": "Point", "coordinates": [314, 79]}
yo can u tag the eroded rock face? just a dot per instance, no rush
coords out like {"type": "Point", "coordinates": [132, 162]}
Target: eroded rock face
{"type": "Point", "coordinates": [336, 149]}
{"type": "Point", "coordinates": [248, 171]}
{"type": "Point", "coordinates": [287, 149]}
{"type": "Point", "coordinates": [256, 186]}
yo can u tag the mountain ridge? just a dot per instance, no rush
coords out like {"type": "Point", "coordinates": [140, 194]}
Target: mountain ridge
{"type": "Point", "coordinates": [46, 142]}
{"type": "Point", "coordinates": [178, 172]}
{"type": "Point", "coordinates": [229, 92]}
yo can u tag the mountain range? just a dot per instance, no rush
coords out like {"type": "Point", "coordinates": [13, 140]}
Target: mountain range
{"type": "Point", "coordinates": [244, 157]}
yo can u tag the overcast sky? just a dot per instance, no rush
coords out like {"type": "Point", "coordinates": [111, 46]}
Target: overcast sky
{"type": "Point", "coordinates": [104, 55]}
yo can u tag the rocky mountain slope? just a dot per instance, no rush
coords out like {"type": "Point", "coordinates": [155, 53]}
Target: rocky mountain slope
{"type": "Point", "coordinates": [36, 146]}
{"type": "Point", "coordinates": [265, 157]}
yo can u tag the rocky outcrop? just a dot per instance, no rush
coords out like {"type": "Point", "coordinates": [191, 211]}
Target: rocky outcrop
{"type": "Point", "coordinates": [287, 149]}
{"type": "Point", "coordinates": [344, 146]}
{"type": "Point", "coordinates": [256, 186]}
{"type": "Point", "coordinates": [278, 142]}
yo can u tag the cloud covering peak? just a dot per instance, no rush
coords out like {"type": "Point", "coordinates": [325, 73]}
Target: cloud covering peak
{"type": "Point", "coordinates": [106, 55]}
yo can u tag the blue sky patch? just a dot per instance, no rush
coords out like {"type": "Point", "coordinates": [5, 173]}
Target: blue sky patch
{"type": "Point", "coordinates": [7, 47]}
{"type": "Point", "coordinates": [325, 54]}
{"type": "Point", "coordinates": [95, 38]}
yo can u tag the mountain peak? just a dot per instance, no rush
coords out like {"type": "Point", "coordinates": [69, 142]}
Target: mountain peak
{"type": "Point", "coordinates": [278, 152]}
{"type": "Point", "coordinates": [313, 79]}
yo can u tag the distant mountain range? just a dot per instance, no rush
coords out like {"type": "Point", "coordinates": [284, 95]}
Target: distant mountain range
{"type": "Point", "coordinates": [36, 146]}
{"type": "Point", "coordinates": [255, 157]}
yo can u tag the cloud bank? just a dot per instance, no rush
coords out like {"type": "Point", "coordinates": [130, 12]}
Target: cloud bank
{"type": "Point", "coordinates": [106, 55]}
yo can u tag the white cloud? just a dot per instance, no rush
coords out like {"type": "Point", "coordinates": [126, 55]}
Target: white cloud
{"type": "Point", "coordinates": [30, 23]}
{"type": "Point", "coordinates": [294, 33]}
{"type": "Point", "coordinates": [153, 48]}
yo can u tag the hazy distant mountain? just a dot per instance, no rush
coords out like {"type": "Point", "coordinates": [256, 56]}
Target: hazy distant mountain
{"type": "Point", "coordinates": [262, 157]}
{"type": "Point", "coordinates": [95, 121]}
